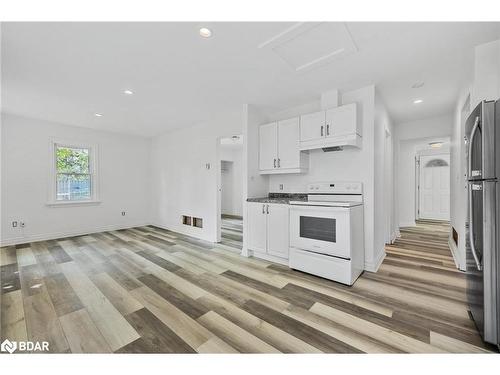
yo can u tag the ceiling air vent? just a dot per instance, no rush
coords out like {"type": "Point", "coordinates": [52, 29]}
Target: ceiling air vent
{"type": "Point", "coordinates": [307, 45]}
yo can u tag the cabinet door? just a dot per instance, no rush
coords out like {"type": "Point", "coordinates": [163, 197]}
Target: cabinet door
{"type": "Point", "coordinates": [277, 230]}
{"type": "Point", "coordinates": [312, 126]}
{"type": "Point", "coordinates": [341, 120]}
{"type": "Point", "coordinates": [257, 226]}
{"type": "Point", "coordinates": [268, 146]}
{"type": "Point", "coordinates": [288, 143]}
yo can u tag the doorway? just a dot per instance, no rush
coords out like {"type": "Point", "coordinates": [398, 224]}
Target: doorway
{"type": "Point", "coordinates": [231, 192]}
{"type": "Point", "coordinates": [434, 187]}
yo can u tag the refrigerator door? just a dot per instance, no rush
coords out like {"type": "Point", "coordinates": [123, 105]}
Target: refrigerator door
{"type": "Point", "coordinates": [480, 142]}
{"type": "Point", "coordinates": [474, 249]}
{"type": "Point", "coordinates": [490, 261]}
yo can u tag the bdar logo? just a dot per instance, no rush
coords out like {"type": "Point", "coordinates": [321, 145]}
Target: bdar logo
{"type": "Point", "coordinates": [8, 346]}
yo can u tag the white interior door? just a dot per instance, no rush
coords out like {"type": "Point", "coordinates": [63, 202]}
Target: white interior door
{"type": "Point", "coordinates": [434, 198]}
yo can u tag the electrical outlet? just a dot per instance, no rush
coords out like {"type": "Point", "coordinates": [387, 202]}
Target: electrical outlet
{"type": "Point", "coordinates": [14, 224]}
{"type": "Point", "coordinates": [123, 213]}
{"type": "Point", "coordinates": [281, 186]}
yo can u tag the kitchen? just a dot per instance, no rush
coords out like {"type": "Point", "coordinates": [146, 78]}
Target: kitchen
{"type": "Point", "coordinates": [321, 164]}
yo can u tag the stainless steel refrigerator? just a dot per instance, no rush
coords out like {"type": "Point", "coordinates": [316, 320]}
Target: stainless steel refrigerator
{"type": "Point", "coordinates": [482, 145]}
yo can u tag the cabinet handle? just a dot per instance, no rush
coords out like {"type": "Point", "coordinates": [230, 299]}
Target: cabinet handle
{"type": "Point", "coordinates": [263, 208]}
{"type": "Point", "coordinates": [267, 209]}
{"type": "Point", "coordinates": [279, 166]}
{"type": "Point", "coordinates": [274, 163]}
{"type": "Point", "coordinates": [321, 130]}
{"type": "Point", "coordinates": [327, 129]}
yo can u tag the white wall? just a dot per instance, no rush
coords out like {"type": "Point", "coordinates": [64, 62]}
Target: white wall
{"type": "Point", "coordinates": [124, 171]}
{"type": "Point", "coordinates": [255, 184]}
{"type": "Point", "coordinates": [347, 165]}
{"type": "Point", "coordinates": [232, 186]}
{"type": "Point", "coordinates": [182, 185]}
{"type": "Point", "coordinates": [408, 136]}
{"type": "Point", "coordinates": [486, 84]}
{"type": "Point", "coordinates": [385, 228]}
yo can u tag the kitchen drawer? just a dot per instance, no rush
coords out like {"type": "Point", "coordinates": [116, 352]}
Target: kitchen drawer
{"type": "Point", "coordinates": [331, 268]}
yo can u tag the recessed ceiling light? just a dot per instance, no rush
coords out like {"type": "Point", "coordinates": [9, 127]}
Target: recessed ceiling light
{"type": "Point", "coordinates": [417, 101]}
{"type": "Point", "coordinates": [436, 144]}
{"type": "Point", "coordinates": [128, 92]}
{"type": "Point", "coordinates": [205, 32]}
{"type": "Point", "coordinates": [98, 114]}
{"type": "Point", "coordinates": [417, 85]}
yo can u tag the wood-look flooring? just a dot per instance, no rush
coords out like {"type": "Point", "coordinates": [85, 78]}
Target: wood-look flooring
{"type": "Point", "coordinates": [232, 231]}
{"type": "Point", "coordinates": [148, 290]}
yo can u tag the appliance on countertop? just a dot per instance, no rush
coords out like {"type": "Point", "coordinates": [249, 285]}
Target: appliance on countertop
{"type": "Point", "coordinates": [326, 231]}
{"type": "Point", "coordinates": [482, 148]}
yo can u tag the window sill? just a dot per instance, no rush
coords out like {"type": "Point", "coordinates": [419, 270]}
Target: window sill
{"type": "Point", "coordinates": [73, 203]}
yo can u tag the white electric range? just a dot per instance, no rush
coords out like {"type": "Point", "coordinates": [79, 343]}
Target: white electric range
{"type": "Point", "coordinates": [326, 231]}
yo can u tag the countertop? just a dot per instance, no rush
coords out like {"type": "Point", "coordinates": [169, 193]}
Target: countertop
{"type": "Point", "coordinates": [279, 198]}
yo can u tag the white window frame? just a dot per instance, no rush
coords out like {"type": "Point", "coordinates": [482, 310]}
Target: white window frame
{"type": "Point", "coordinates": [94, 173]}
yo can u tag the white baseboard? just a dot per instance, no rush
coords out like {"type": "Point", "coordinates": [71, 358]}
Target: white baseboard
{"type": "Point", "coordinates": [408, 224]}
{"type": "Point", "coordinates": [454, 252]}
{"type": "Point", "coordinates": [395, 235]}
{"type": "Point", "coordinates": [57, 235]}
{"type": "Point", "coordinates": [270, 258]}
{"type": "Point", "coordinates": [181, 230]}
{"type": "Point", "coordinates": [374, 266]}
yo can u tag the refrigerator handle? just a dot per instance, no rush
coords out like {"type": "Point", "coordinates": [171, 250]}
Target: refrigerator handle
{"type": "Point", "coordinates": [469, 151]}
{"type": "Point", "coordinates": [471, 231]}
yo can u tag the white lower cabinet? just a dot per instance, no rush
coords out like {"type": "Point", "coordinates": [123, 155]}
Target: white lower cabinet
{"type": "Point", "coordinates": [268, 229]}
{"type": "Point", "coordinates": [257, 227]}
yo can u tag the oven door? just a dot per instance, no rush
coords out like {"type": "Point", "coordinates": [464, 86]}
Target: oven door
{"type": "Point", "coordinates": [323, 230]}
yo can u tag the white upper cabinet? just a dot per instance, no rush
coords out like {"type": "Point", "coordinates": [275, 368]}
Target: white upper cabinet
{"type": "Point", "coordinates": [312, 126]}
{"type": "Point", "coordinates": [335, 127]}
{"type": "Point", "coordinates": [279, 148]}
{"type": "Point", "coordinates": [342, 121]}
{"type": "Point", "coordinates": [268, 146]}
{"type": "Point", "coordinates": [288, 143]}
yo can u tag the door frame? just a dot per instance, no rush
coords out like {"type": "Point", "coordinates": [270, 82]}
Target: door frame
{"type": "Point", "coordinates": [417, 187]}
{"type": "Point", "coordinates": [218, 188]}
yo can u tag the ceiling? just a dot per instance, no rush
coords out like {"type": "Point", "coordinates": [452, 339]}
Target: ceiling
{"type": "Point", "coordinates": [67, 72]}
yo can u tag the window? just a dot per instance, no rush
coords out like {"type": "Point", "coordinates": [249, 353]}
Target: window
{"type": "Point", "coordinates": [436, 163]}
{"type": "Point", "coordinates": [74, 177]}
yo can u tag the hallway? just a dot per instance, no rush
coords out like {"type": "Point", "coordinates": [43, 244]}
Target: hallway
{"type": "Point", "coordinates": [420, 263]}
{"type": "Point", "coordinates": [232, 232]}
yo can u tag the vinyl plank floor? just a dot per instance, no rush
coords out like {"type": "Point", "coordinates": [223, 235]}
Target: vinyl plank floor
{"type": "Point", "coordinates": [12, 318]}
{"type": "Point", "coordinates": [157, 334]}
{"type": "Point", "coordinates": [150, 290]}
{"type": "Point", "coordinates": [42, 322]}
{"type": "Point", "coordinates": [82, 334]}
